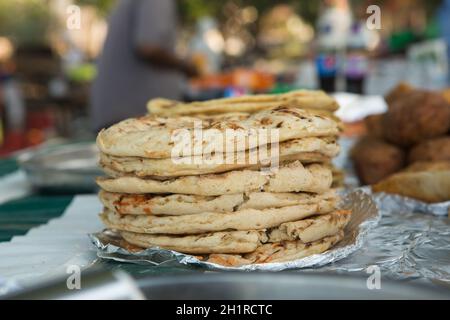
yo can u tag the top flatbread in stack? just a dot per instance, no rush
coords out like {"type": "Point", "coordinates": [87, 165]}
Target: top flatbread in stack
{"type": "Point", "coordinates": [315, 100]}
{"type": "Point", "coordinates": [233, 211]}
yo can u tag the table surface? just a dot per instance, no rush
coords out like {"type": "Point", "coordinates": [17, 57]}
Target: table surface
{"type": "Point", "coordinates": [18, 216]}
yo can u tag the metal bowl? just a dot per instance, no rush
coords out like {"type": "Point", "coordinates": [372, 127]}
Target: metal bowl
{"type": "Point", "coordinates": [62, 169]}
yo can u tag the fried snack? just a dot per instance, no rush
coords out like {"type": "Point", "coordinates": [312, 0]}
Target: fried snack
{"type": "Point", "coordinates": [437, 149]}
{"type": "Point", "coordinates": [398, 92]}
{"type": "Point", "coordinates": [425, 181]}
{"type": "Point", "coordinates": [375, 160]}
{"type": "Point", "coordinates": [416, 116]}
{"type": "Point", "coordinates": [446, 94]}
{"type": "Point", "coordinates": [374, 125]}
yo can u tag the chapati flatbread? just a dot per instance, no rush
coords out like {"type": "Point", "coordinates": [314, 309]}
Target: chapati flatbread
{"type": "Point", "coordinates": [173, 205]}
{"type": "Point", "coordinates": [182, 204]}
{"type": "Point", "coordinates": [307, 150]}
{"type": "Point", "coordinates": [277, 252]}
{"type": "Point", "coordinates": [263, 200]}
{"type": "Point", "coordinates": [305, 231]}
{"type": "Point", "coordinates": [228, 260]}
{"type": "Point", "coordinates": [246, 219]}
{"type": "Point", "coordinates": [300, 99]}
{"type": "Point", "coordinates": [155, 137]}
{"type": "Point", "coordinates": [311, 229]}
{"type": "Point", "coordinates": [116, 169]}
{"type": "Point", "coordinates": [292, 250]}
{"type": "Point", "coordinates": [217, 242]}
{"type": "Point", "coordinates": [293, 177]}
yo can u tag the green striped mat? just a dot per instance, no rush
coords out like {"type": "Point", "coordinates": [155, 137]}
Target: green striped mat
{"type": "Point", "coordinates": [20, 215]}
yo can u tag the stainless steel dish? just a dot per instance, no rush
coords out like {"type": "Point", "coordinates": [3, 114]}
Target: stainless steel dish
{"type": "Point", "coordinates": [235, 286]}
{"type": "Point", "coordinates": [291, 285]}
{"type": "Point", "coordinates": [62, 169]}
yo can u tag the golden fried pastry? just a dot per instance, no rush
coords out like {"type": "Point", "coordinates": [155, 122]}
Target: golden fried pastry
{"type": "Point", "coordinates": [398, 92]}
{"type": "Point", "coordinates": [425, 181]}
{"type": "Point", "coordinates": [446, 94]}
{"type": "Point", "coordinates": [374, 125]}
{"type": "Point", "coordinates": [437, 149]}
{"type": "Point", "coordinates": [375, 159]}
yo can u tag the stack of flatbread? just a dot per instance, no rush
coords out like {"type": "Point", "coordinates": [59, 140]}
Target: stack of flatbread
{"type": "Point", "coordinates": [240, 211]}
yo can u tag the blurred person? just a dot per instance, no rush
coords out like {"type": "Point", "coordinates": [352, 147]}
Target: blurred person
{"type": "Point", "coordinates": [444, 25]}
{"type": "Point", "coordinates": [138, 61]}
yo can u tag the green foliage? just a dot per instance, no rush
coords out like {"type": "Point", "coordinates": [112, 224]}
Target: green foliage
{"type": "Point", "coordinates": [25, 21]}
{"type": "Point", "coordinates": [191, 10]}
{"type": "Point", "coordinates": [103, 6]}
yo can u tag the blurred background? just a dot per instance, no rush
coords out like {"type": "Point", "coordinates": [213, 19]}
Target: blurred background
{"type": "Point", "coordinates": [56, 68]}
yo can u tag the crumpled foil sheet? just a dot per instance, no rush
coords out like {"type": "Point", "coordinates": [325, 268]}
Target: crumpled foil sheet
{"type": "Point", "coordinates": [364, 218]}
{"type": "Point", "coordinates": [404, 245]}
{"type": "Point", "coordinates": [396, 203]}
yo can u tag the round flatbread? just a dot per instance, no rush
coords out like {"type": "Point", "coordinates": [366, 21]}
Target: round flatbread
{"type": "Point", "coordinates": [292, 250]}
{"type": "Point", "coordinates": [306, 230]}
{"type": "Point", "coordinates": [140, 169]}
{"type": "Point", "coordinates": [300, 99]}
{"type": "Point", "coordinates": [156, 137]}
{"type": "Point", "coordinates": [311, 229]}
{"type": "Point", "coordinates": [307, 150]}
{"type": "Point", "coordinates": [217, 242]}
{"type": "Point", "coordinates": [277, 252]}
{"type": "Point", "coordinates": [246, 219]}
{"type": "Point", "coordinates": [293, 177]}
{"type": "Point", "coordinates": [182, 204]}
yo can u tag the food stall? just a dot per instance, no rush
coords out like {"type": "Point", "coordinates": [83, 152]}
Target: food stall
{"type": "Point", "coordinates": [261, 175]}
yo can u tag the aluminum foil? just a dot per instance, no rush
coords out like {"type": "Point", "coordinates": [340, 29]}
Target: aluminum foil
{"type": "Point", "coordinates": [396, 203]}
{"type": "Point", "coordinates": [404, 245]}
{"type": "Point", "coordinates": [364, 218]}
